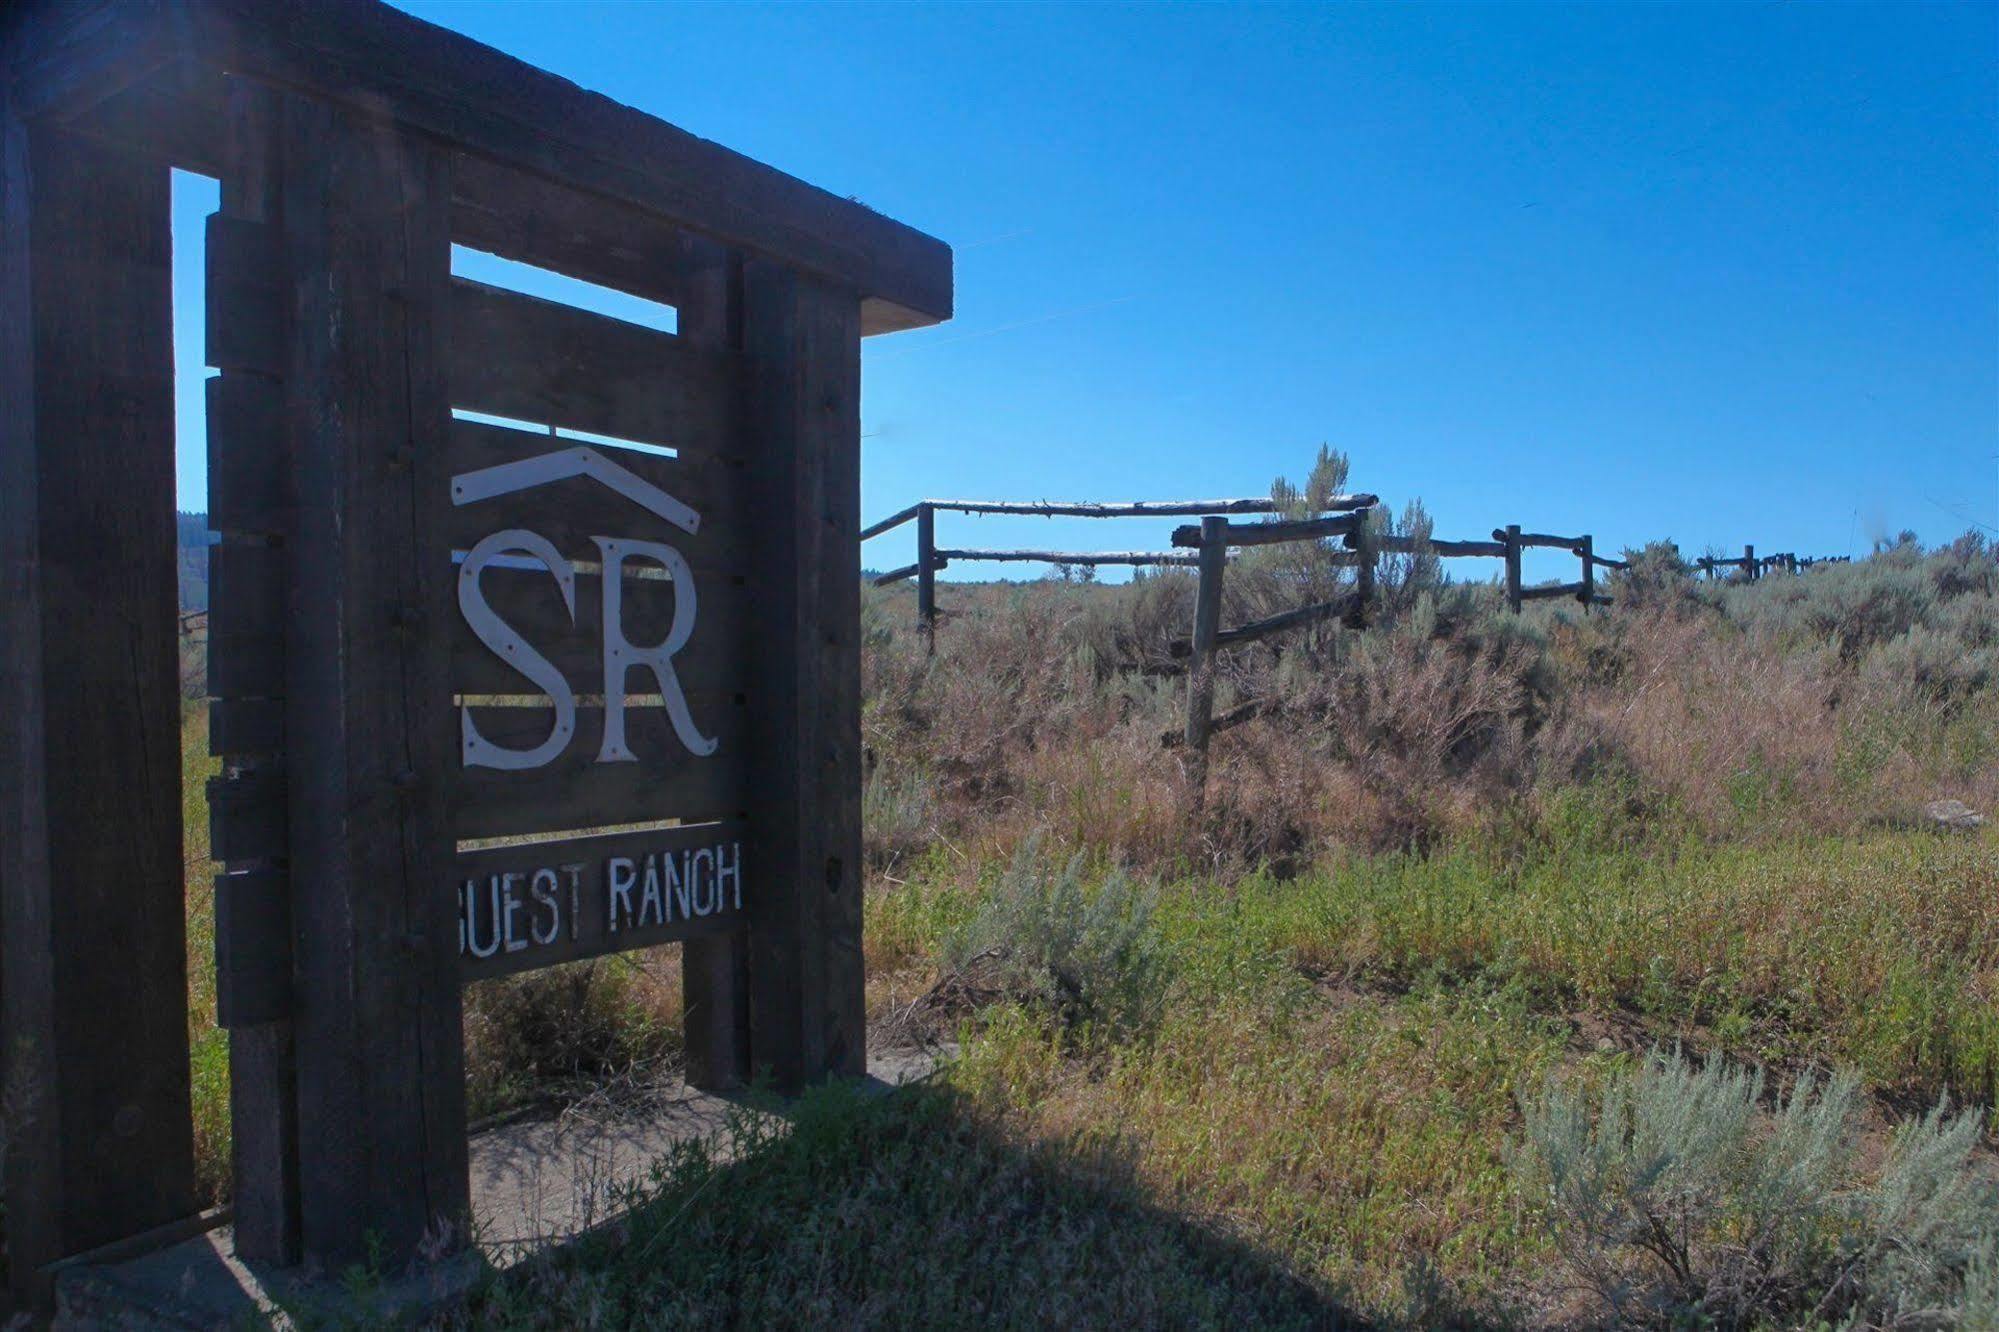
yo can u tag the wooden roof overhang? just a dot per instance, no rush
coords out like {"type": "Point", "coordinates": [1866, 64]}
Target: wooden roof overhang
{"type": "Point", "coordinates": [153, 74]}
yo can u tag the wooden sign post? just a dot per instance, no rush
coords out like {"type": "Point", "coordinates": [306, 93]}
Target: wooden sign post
{"type": "Point", "coordinates": [534, 633]}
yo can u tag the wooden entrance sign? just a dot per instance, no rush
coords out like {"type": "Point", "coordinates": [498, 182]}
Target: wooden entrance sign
{"type": "Point", "coordinates": [534, 633]}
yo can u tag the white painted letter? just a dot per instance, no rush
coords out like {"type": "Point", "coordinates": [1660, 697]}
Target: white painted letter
{"type": "Point", "coordinates": [574, 873]}
{"type": "Point", "coordinates": [510, 895]}
{"type": "Point", "coordinates": [619, 879]}
{"type": "Point", "coordinates": [472, 917]}
{"type": "Point", "coordinates": [621, 656]}
{"type": "Point", "coordinates": [704, 884]}
{"type": "Point", "coordinates": [729, 873]}
{"type": "Point", "coordinates": [543, 888]}
{"type": "Point", "coordinates": [507, 644]}
{"type": "Point", "coordinates": [650, 903]}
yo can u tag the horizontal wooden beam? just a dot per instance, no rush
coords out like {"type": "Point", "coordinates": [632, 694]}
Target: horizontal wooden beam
{"type": "Point", "coordinates": [895, 575]}
{"type": "Point", "coordinates": [1551, 592]}
{"type": "Point", "coordinates": [1402, 545]}
{"type": "Point", "coordinates": [893, 521]}
{"type": "Point", "coordinates": [1542, 540]}
{"type": "Point", "coordinates": [1137, 508]}
{"type": "Point", "coordinates": [1106, 509]}
{"type": "Point", "coordinates": [534, 904]}
{"type": "Point", "coordinates": [1234, 717]}
{"type": "Point", "coordinates": [1134, 557]}
{"type": "Point", "coordinates": [476, 100]}
{"type": "Point", "coordinates": [1291, 619]}
{"type": "Point", "coordinates": [1271, 534]}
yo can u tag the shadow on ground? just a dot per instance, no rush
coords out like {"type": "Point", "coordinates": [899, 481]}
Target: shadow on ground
{"type": "Point", "coordinates": [854, 1210]}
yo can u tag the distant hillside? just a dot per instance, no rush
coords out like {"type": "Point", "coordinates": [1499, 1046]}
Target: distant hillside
{"type": "Point", "coordinates": [191, 541]}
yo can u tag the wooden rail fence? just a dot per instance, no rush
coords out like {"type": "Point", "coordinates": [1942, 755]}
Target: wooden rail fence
{"type": "Point", "coordinates": [1205, 547]}
{"type": "Point", "coordinates": [930, 558]}
{"type": "Point", "coordinates": [1753, 568]}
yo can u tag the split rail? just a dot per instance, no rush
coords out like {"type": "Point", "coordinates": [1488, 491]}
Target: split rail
{"type": "Point", "coordinates": [930, 558]}
{"type": "Point", "coordinates": [1753, 568]}
{"type": "Point", "coordinates": [1206, 547]}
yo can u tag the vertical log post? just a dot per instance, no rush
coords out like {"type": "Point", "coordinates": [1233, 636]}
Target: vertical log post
{"type": "Point", "coordinates": [1512, 539]}
{"type": "Point", "coordinates": [369, 731]}
{"type": "Point", "coordinates": [807, 1003]}
{"type": "Point", "coordinates": [714, 972]}
{"type": "Point", "coordinates": [1749, 569]}
{"type": "Point", "coordinates": [1587, 550]}
{"type": "Point", "coordinates": [1367, 553]}
{"type": "Point", "coordinates": [1201, 665]}
{"type": "Point", "coordinates": [93, 971]}
{"type": "Point", "coordinates": [926, 576]}
{"type": "Point", "coordinates": [249, 506]}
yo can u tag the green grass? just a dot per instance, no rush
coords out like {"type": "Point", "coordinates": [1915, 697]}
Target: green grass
{"type": "Point", "coordinates": [208, 1044]}
{"type": "Point", "coordinates": [1879, 951]}
{"type": "Point", "coordinates": [919, 1211]}
{"type": "Point", "coordinates": [1320, 1118]}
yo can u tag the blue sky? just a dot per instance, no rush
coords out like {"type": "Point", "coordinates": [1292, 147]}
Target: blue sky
{"type": "Point", "coordinates": [1722, 274]}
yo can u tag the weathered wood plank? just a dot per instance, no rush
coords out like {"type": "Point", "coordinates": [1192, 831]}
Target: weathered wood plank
{"type": "Point", "coordinates": [1270, 534]}
{"type": "Point", "coordinates": [369, 727]}
{"type": "Point", "coordinates": [452, 87]}
{"type": "Point", "coordinates": [907, 571]}
{"type": "Point", "coordinates": [93, 961]}
{"type": "Point", "coordinates": [253, 949]}
{"type": "Point", "coordinates": [928, 562]}
{"type": "Point", "coordinates": [1094, 509]}
{"type": "Point", "coordinates": [576, 791]}
{"type": "Point", "coordinates": [1135, 508]}
{"type": "Point", "coordinates": [246, 454]}
{"type": "Point", "coordinates": [714, 970]}
{"type": "Point", "coordinates": [1552, 592]}
{"type": "Point", "coordinates": [247, 598]}
{"type": "Point", "coordinates": [529, 218]}
{"type": "Point", "coordinates": [1091, 557]}
{"type": "Point", "coordinates": [246, 815]}
{"type": "Point", "coordinates": [31, 1178]}
{"type": "Point", "coordinates": [890, 523]}
{"type": "Point", "coordinates": [245, 300]}
{"type": "Point", "coordinates": [1201, 668]}
{"type": "Point", "coordinates": [534, 360]}
{"type": "Point", "coordinates": [243, 665]}
{"type": "Point", "coordinates": [807, 1008]}
{"type": "Point", "coordinates": [1228, 721]}
{"type": "Point", "coordinates": [1538, 540]}
{"type": "Point", "coordinates": [1509, 536]}
{"type": "Point", "coordinates": [250, 483]}
{"type": "Point", "coordinates": [1338, 608]}
{"type": "Point", "coordinates": [1402, 545]}
{"type": "Point", "coordinates": [539, 903]}
{"type": "Point", "coordinates": [246, 726]}
{"type": "Point", "coordinates": [390, 65]}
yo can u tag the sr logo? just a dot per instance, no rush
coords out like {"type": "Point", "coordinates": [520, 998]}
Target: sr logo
{"type": "Point", "coordinates": [620, 656]}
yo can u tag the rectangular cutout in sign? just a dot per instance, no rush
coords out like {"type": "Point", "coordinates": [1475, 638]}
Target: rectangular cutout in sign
{"type": "Point", "coordinates": [533, 904]}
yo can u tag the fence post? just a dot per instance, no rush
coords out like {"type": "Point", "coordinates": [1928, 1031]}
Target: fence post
{"type": "Point", "coordinates": [1513, 567]}
{"type": "Point", "coordinates": [1587, 549]}
{"type": "Point", "coordinates": [1366, 552]}
{"type": "Point", "coordinates": [926, 576]}
{"type": "Point", "coordinates": [1201, 665]}
{"type": "Point", "coordinates": [1749, 563]}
